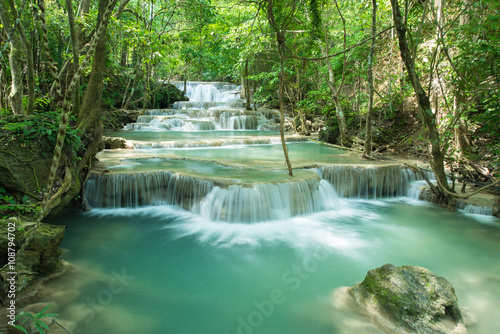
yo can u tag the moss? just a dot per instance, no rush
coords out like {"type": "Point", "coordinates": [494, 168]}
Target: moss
{"type": "Point", "coordinates": [38, 252]}
{"type": "Point", "coordinates": [408, 296]}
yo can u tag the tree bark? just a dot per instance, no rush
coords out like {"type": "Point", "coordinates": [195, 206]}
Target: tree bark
{"type": "Point", "coordinates": [29, 58]}
{"type": "Point", "coordinates": [89, 118]}
{"type": "Point", "coordinates": [436, 154]}
{"type": "Point", "coordinates": [15, 61]}
{"type": "Point", "coordinates": [345, 139]}
{"type": "Point", "coordinates": [247, 88]}
{"type": "Point", "coordinates": [368, 138]}
{"type": "Point", "coordinates": [76, 53]}
{"type": "Point", "coordinates": [280, 37]}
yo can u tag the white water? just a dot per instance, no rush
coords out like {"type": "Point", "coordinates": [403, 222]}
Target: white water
{"type": "Point", "coordinates": [211, 92]}
{"type": "Point", "coordinates": [207, 245]}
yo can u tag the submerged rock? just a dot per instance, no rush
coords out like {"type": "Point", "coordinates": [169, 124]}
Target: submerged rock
{"type": "Point", "coordinates": [409, 299]}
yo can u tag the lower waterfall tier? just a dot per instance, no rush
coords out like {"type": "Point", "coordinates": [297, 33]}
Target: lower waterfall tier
{"type": "Point", "coordinates": [370, 181]}
{"type": "Point", "coordinates": [234, 200]}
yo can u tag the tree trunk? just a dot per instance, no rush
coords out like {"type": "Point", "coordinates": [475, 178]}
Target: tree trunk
{"type": "Point", "coordinates": [89, 118]}
{"type": "Point", "coordinates": [247, 88]}
{"type": "Point", "coordinates": [31, 70]}
{"type": "Point", "coordinates": [280, 37]}
{"type": "Point", "coordinates": [345, 140]}
{"type": "Point", "coordinates": [76, 53]}
{"type": "Point", "coordinates": [84, 10]}
{"type": "Point", "coordinates": [436, 154]}
{"type": "Point", "coordinates": [29, 58]}
{"type": "Point", "coordinates": [147, 88]}
{"type": "Point", "coordinates": [15, 61]}
{"type": "Point", "coordinates": [124, 55]}
{"type": "Point", "coordinates": [368, 138]}
{"type": "Point", "coordinates": [462, 139]}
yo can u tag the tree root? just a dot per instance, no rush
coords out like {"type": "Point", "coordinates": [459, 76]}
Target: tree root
{"type": "Point", "coordinates": [442, 190]}
{"type": "Point", "coordinates": [55, 200]}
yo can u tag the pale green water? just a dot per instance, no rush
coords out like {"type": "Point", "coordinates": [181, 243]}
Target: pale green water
{"type": "Point", "coordinates": [187, 135]}
{"type": "Point", "coordinates": [161, 269]}
{"type": "Point", "coordinates": [208, 169]}
{"type": "Point", "coordinates": [264, 156]}
{"type": "Point", "coordinates": [194, 276]}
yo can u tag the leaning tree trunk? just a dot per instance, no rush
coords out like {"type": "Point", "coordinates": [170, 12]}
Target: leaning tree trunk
{"type": "Point", "coordinates": [437, 156]}
{"type": "Point", "coordinates": [89, 119]}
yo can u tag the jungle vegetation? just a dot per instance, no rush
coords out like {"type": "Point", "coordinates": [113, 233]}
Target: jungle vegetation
{"type": "Point", "coordinates": [400, 76]}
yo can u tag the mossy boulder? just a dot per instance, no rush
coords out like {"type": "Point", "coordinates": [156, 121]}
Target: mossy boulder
{"type": "Point", "coordinates": [409, 299]}
{"type": "Point", "coordinates": [24, 171]}
{"type": "Point", "coordinates": [112, 143]}
{"type": "Point", "coordinates": [116, 119]}
{"type": "Point", "coordinates": [38, 252]}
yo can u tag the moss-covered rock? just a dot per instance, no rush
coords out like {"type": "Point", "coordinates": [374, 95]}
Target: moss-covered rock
{"type": "Point", "coordinates": [24, 171]}
{"type": "Point", "coordinates": [113, 120]}
{"type": "Point", "coordinates": [38, 252]}
{"type": "Point", "coordinates": [112, 143]}
{"type": "Point", "coordinates": [409, 299]}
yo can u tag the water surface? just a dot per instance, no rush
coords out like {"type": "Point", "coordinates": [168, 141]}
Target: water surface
{"type": "Point", "coordinates": [196, 276]}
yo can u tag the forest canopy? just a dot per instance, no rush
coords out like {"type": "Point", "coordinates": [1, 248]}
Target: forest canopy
{"type": "Point", "coordinates": [417, 76]}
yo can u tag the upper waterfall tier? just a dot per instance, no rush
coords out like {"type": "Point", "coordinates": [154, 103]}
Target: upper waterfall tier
{"type": "Point", "coordinates": [216, 118]}
{"type": "Point", "coordinates": [210, 91]}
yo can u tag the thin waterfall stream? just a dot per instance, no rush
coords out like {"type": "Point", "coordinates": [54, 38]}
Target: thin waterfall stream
{"type": "Point", "coordinates": [198, 228]}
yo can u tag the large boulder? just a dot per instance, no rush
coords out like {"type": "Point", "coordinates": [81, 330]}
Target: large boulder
{"type": "Point", "coordinates": [37, 256]}
{"type": "Point", "coordinates": [409, 299]}
{"type": "Point", "coordinates": [25, 169]}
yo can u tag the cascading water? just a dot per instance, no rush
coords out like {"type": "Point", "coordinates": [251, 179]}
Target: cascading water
{"type": "Point", "coordinates": [371, 181]}
{"type": "Point", "coordinates": [203, 231]}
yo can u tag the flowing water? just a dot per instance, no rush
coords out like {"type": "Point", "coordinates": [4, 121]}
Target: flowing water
{"type": "Point", "coordinates": [213, 238]}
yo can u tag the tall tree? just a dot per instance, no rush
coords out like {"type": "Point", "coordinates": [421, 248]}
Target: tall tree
{"type": "Point", "coordinates": [281, 42]}
{"type": "Point", "coordinates": [368, 139]}
{"type": "Point", "coordinates": [335, 88]}
{"type": "Point", "coordinates": [16, 55]}
{"type": "Point", "coordinates": [424, 104]}
{"type": "Point", "coordinates": [89, 118]}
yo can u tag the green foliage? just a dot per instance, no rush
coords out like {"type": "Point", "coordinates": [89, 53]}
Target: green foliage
{"type": "Point", "coordinates": [315, 19]}
{"type": "Point", "coordinates": [35, 320]}
{"type": "Point", "coordinates": [486, 118]}
{"type": "Point", "coordinates": [9, 205]}
{"type": "Point", "coordinates": [29, 130]}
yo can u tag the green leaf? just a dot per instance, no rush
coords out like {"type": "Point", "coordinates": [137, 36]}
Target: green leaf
{"type": "Point", "coordinates": [29, 315]}
{"type": "Point", "coordinates": [22, 329]}
{"type": "Point", "coordinates": [49, 315]}
{"type": "Point", "coordinates": [43, 310]}
{"type": "Point", "coordinates": [43, 325]}
{"type": "Point", "coordinates": [40, 329]}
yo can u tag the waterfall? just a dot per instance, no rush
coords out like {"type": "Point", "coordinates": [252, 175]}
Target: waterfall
{"type": "Point", "coordinates": [214, 142]}
{"type": "Point", "coordinates": [132, 190]}
{"type": "Point", "coordinates": [369, 181]}
{"type": "Point", "coordinates": [210, 91]}
{"type": "Point", "coordinates": [268, 201]}
{"type": "Point", "coordinates": [213, 118]}
{"type": "Point", "coordinates": [476, 210]}
{"type": "Point", "coordinates": [250, 203]}
{"type": "Point", "coordinates": [235, 203]}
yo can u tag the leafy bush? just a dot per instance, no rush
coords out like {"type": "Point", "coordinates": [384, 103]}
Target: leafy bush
{"type": "Point", "coordinates": [30, 129]}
